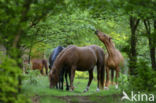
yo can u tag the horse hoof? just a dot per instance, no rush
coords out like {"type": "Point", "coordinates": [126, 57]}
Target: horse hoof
{"type": "Point", "coordinates": [85, 90]}
{"type": "Point", "coordinates": [106, 88]}
{"type": "Point", "coordinates": [70, 90]}
{"type": "Point", "coordinates": [97, 90]}
{"type": "Point", "coordinates": [116, 86]}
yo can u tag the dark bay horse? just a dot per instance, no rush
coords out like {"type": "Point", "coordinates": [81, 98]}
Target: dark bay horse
{"type": "Point", "coordinates": [65, 71]}
{"type": "Point", "coordinates": [53, 56]}
{"type": "Point", "coordinates": [114, 59]}
{"type": "Point", "coordinates": [39, 64]}
{"type": "Point", "coordinates": [82, 59]}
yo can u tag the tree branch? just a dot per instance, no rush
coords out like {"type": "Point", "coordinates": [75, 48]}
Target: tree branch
{"type": "Point", "coordinates": [26, 7]}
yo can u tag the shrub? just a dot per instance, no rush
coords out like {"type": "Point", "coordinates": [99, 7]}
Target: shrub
{"type": "Point", "coordinates": [31, 77]}
{"type": "Point", "coordinates": [145, 78]}
{"type": "Point", "coordinates": [123, 81]}
{"type": "Point", "coordinates": [9, 73]}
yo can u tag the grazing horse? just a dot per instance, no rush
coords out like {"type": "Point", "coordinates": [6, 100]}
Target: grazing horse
{"type": "Point", "coordinates": [39, 64]}
{"type": "Point", "coordinates": [81, 59]}
{"type": "Point", "coordinates": [52, 58]}
{"type": "Point", "coordinates": [113, 59]}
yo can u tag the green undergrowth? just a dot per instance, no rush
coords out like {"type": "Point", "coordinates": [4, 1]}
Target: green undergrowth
{"type": "Point", "coordinates": [41, 87]}
{"type": "Point", "coordinates": [38, 85]}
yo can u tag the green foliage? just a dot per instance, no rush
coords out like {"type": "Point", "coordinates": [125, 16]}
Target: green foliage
{"type": "Point", "coordinates": [78, 28]}
{"type": "Point", "coordinates": [123, 81]}
{"type": "Point", "coordinates": [41, 25]}
{"type": "Point", "coordinates": [9, 75]}
{"type": "Point", "coordinates": [18, 17]}
{"type": "Point", "coordinates": [145, 80]}
{"type": "Point", "coordinates": [81, 75]}
{"type": "Point", "coordinates": [31, 77]}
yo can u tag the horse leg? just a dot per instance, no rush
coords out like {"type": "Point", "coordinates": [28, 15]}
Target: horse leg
{"type": "Point", "coordinates": [98, 78]}
{"type": "Point", "coordinates": [62, 79]}
{"type": "Point", "coordinates": [69, 72]}
{"type": "Point", "coordinates": [46, 70]}
{"type": "Point", "coordinates": [57, 86]}
{"type": "Point", "coordinates": [67, 85]}
{"type": "Point", "coordinates": [72, 78]}
{"type": "Point", "coordinates": [90, 80]}
{"type": "Point", "coordinates": [117, 75]}
{"type": "Point", "coordinates": [107, 78]}
{"type": "Point", "coordinates": [41, 71]}
{"type": "Point", "coordinates": [59, 83]}
{"type": "Point", "coordinates": [112, 75]}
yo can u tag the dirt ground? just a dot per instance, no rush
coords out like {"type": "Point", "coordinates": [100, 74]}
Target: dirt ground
{"type": "Point", "coordinates": [77, 99]}
{"type": "Point", "coordinates": [82, 99]}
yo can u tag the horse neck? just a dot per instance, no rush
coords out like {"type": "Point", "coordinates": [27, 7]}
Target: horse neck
{"type": "Point", "coordinates": [58, 65]}
{"type": "Point", "coordinates": [110, 49]}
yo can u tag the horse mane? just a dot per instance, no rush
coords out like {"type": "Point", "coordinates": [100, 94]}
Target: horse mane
{"type": "Point", "coordinates": [58, 63]}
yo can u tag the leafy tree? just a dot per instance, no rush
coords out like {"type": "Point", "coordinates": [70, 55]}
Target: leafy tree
{"type": "Point", "coordinates": [9, 73]}
{"type": "Point", "coordinates": [17, 18]}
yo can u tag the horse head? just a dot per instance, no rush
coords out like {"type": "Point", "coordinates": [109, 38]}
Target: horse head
{"type": "Point", "coordinates": [103, 37]}
{"type": "Point", "coordinates": [53, 77]}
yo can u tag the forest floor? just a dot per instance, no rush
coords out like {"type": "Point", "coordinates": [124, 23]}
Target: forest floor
{"type": "Point", "coordinates": [37, 89]}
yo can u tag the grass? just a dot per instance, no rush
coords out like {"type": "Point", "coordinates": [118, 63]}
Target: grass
{"type": "Point", "coordinates": [42, 88]}
{"type": "Point", "coordinates": [39, 86]}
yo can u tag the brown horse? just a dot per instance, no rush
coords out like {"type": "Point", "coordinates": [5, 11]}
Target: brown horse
{"type": "Point", "coordinates": [113, 58]}
{"type": "Point", "coordinates": [82, 59]}
{"type": "Point", "coordinates": [39, 64]}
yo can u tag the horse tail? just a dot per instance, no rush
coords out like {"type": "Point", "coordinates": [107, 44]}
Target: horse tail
{"type": "Point", "coordinates": [45, 65]}
{"type": "Point", "coordinates": [101, 79]}
{"type": "Point", "coordinates": [102, 72]}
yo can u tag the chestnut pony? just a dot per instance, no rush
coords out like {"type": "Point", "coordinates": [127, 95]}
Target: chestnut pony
{"type": "Point", "coordinates": [81, 59]}
{"type": "Point", "coordinates": [113, 59]}
{"type": "Point", "coordinates": [39, 64]}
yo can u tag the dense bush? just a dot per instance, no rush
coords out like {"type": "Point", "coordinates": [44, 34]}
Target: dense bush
{"type": "Point", "coordinates": [145, 78]}
{"type": "Point", "coordinates": [123, 81]}
{"type": "Point", "coordinates": [9, 73]}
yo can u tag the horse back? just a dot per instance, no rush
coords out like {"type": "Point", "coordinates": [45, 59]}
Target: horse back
{"type": "Point", "coordinates": [37, 64]}
{"type": "Point", "coordinates": [99, 53]}
{"type": "Point", "coordinates": [82, 57]}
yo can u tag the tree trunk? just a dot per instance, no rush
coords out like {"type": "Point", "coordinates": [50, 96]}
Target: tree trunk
{"type": "Point", "coordinates": [133, 52]}
{"type": "Point", "coordinates": [151, 43]}
{"type": "Point", "coordinates": [154, 45]}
